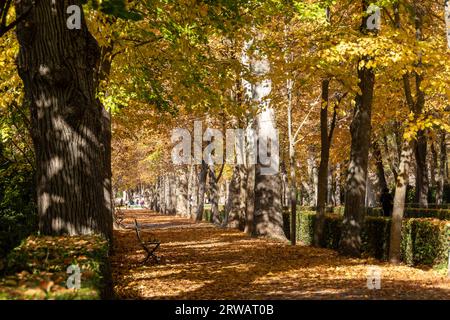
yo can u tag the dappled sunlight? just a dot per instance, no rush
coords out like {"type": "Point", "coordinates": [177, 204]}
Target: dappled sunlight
{"type": "Point", "coordinates": [203, 261]}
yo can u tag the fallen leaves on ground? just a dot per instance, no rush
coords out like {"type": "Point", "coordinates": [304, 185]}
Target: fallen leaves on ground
{"type": "Point", "coordinates": [202, 261]}
{"type": "Point", "coordinates": [37, 269]}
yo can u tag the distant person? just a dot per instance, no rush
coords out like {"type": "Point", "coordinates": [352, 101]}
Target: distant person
{"type": "Point", "coordinates": [142, 203]}
{"type": "Point", "coordinates": [386, 202]}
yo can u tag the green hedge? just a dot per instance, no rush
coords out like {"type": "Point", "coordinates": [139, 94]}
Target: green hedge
{"type": "Point", "coordinates": [37, 268]}
{"type": "Point", "coordinates": [18, 214]}
{"type": "Point", "coordinates": [432, 212]}
{"type": "Point", "coordinates": [425, 241]}
{"type": "Point", "coordinates": [443, 214]}
{"type": "Point", "coordinates": [207, 215]}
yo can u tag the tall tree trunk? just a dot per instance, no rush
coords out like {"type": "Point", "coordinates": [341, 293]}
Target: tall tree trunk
{"type": "Point", "coordinates": [312, 184]}
{"type": "Point", "coordinates": [329, 199]}
{"type": "Point", "coordinates": [337, 190]}
{"type": "Point", "coordinates": [268, 209]}
{"type": "Point", "coordinates": [250, 204]}
{"type": "Point", "coordinates": [160, 194]}
{"type": "Point", "coordinates": [193, 191]}
{"type": "Point", "coordinates": [417, 106]}
{"type": "Point", "coordinates": [292, 169]}
{"type": "Point", "coordinates": [434, 166]}
{"type": "Point", "coordinates": [166, 194]}
{"type": "Point", "coordinates": [382, 183]}
{"type": "Point", "coordinates": [201, 191]}
{"type": "Point", "coordinates": [284, 186]}
{"type": "Point", "coordinates": [420, 152]}
{"type": "Point", "coordinates": [182, 192]}
{"type": "Point", "coordinates": [214, 190]}
{"type": "Point", "coordinates": [242, 196]}
{"type": "Point", "coordinates": [250, 183]}
{"type": "Point", "coordinates": [360, 129]}
{"type": "Point", "coordinates": [323, 166]}
{"type": "Point", "coordinates": [392, 161]}
{"type": "Point", "coordinates": [399, 203]}
{"type": "Point", "coordinates": [441, 170]}
{"type": "Point", "coordinates": [293, 195]}
{"type": "Point", "coordinates": [232, 207]}
{"type": "Point", "coordinates": [173, 193]}
{"type": "Point", "coordinates": [69, 128]}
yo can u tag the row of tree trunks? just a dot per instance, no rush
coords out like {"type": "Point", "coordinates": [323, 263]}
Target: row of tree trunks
{"type": "Point", "coordinates": [184, 193]}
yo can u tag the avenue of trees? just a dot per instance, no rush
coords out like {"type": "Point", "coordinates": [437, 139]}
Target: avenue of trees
{"type": "Point", "coordinates": [358, 91]}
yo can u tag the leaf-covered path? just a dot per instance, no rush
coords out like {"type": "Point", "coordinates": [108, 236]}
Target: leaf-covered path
{"type": "Point", "coordinates": [203, 261]}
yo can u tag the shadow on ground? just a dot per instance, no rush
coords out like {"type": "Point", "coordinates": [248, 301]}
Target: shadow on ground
{"type": "Point", "coordinates": [202, 261]}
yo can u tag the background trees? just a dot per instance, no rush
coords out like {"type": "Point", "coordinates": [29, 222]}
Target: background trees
{"type": "Point", "coordinates": [346, 99]}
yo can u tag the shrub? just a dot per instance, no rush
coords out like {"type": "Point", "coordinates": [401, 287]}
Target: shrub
{"type": "Point", "coordinates": [425, 241]}
{"type": "Point", "coordinates": [442, 214]}
{"type": "Point", "coordinates": [18, 218]}
{"type": "Point", "coordinates": [36, 269]}
{"type": "Point", "coordinates": [207, 215]}
{"type": "Point", "coordinates": [375, 237]}
{"type": "Point", "coordinates": [305, 226]}
{"type": "Point", "coordinates": [446, 193]}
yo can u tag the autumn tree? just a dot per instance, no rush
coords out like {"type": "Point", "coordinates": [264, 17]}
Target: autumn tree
{"type": "Point", "coordinates": [69, 126]}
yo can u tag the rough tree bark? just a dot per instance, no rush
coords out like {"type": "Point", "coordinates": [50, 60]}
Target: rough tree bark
{"type": "Point", "coordinates": [417, 106]}
{"type": "Point", "coordinates": [399, 202]}
{"type": "Point", "coordinates": [441, 171]}
{"type": "Point", "coordinates": [250, 184]}
{"type": "Point", "coordinates": [69, 129]}
{"type": "Point", "coordinates": [337, 190]}
{"type": "Point", "coordinates": [214, 194]}
{"type": "Point", "coordinates": [232, 207]}
{"type": "Point", "coordinates": [201, 191]}
{"type": "Point", "coordinates": [393, 164]}
{"type": "Point", "coordinates": [434, 167]}
{"type": "Point", "coordinates": [292, 168]}
{"type": "Point", "coordinates": [381, 176]}
{"type": "Point", "coordinates": [268, 209]}
{"type": "Point", "coordinates": [193, 191]}
{"type": "Point", "coordinates": [182, 192]}
{"type": "Point", "coordinates": [173, 194]}
{"type": "Point", "coordinates": [313, 177]}
{"type": "Point", "coordinates": [322, 181]}
{"type": "Point", "coordinates": [360, 129]}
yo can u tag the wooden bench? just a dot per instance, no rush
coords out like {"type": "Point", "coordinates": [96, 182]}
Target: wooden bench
{"type": "Point", "coordinates": [119, 216]}
{"type": "Point", "coordinates": [149, 246]}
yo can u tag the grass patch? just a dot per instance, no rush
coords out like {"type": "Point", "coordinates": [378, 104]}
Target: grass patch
{"type": "Point", "coordinates": [37, 268]}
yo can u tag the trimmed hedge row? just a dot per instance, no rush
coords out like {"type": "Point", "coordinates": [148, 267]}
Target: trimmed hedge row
{"type": "Point", "coordinates": [37, 268]}
{"type": "Point", "coordinates": [207, 215]}
{"type": "Point", "coordinates": [425, 241]}
{"type": "Point", "coordinates": [442, 214]}
{"type": "Point", "coordinates": [438, 213]}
